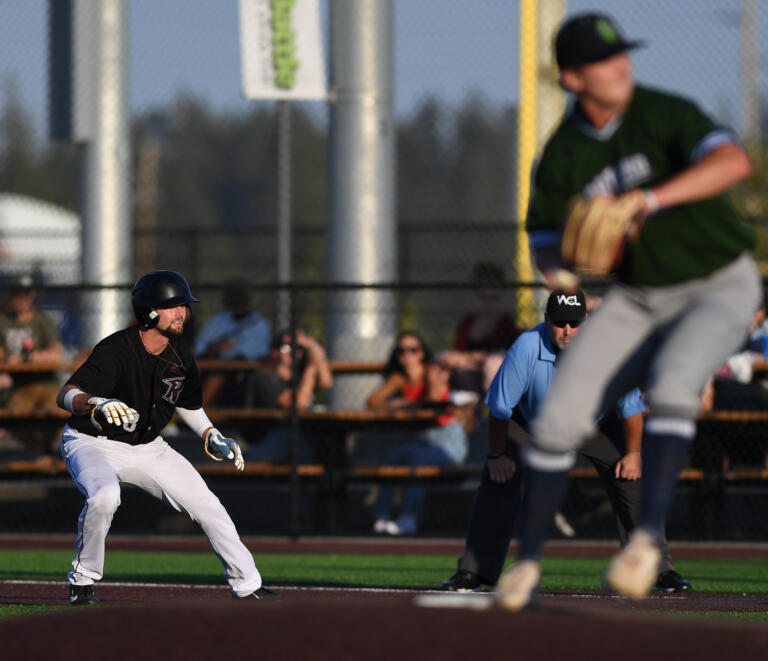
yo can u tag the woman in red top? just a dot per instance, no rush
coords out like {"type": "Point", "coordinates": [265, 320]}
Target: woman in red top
{"type": "Point", "coordinates": [412, 379]}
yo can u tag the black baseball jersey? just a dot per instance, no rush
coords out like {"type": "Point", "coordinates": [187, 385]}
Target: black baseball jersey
{"type": "Point", "coordinates": [120, 367]}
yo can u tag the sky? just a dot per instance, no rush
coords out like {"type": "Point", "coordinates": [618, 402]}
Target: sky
{"type": "Point", "coordinates": [449, 48]}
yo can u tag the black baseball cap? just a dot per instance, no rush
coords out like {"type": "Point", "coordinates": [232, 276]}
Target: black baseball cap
{"type": "Point", "coordinates": [587, 38]}
{"type": "Point", "coordinates": [22, 284]}
{"type": "Point", "coordinates": [567, 306]}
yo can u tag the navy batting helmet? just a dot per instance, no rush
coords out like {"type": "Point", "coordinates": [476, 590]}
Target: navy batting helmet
{"type": "Point", "coordinates": [157, 290]}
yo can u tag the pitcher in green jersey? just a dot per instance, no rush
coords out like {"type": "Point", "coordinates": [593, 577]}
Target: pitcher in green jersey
{"type": "Point", "coordinates": [685, 290]}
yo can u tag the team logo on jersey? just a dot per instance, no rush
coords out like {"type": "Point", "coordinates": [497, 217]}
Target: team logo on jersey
{"type": "Point", "coordinates": [175, 384]}
{"type": "Point", "coordinates": [627, 173]}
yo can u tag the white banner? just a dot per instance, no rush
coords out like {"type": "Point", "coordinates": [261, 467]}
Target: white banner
{"type": "Point", "coordinates": [281, 49]}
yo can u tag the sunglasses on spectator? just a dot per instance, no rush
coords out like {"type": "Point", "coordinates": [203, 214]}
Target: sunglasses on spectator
{"type": "Point", "coordinates": [402, 350]}
{"type": "Point", "coordinates": [573, 323]}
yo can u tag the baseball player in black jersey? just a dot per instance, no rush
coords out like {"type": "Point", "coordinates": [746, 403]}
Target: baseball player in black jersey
{"type": "Point", "coordinates": [121, 398]}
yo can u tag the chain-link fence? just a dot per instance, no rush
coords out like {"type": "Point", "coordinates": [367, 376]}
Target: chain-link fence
{"type": "Point", "coordinates": [205, 158]}
{"type": "Point", "coordinates": [721, 493]}
{"type": "Point", "coordinates": [474, 97]}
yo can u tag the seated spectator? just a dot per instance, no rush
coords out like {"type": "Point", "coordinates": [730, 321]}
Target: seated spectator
{"type": "Point", "coordinates": [28, 335]}
{"type": "Point", "coordinates": [482, 336]}
{"type": "Point", "coordinates": [235, 333]}
{"type": "Point", "coordinates": [413, 380]}
{"type": "Point", "coordinates": [731, 386]}
{"type": "Point", "coordinates": [270, 387]}
{"type": "Point", "coordinates": [758, 336]}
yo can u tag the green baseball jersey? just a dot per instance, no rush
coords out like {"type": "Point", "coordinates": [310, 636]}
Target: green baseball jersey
{"type": "Point", "coordinates": [659, 135]}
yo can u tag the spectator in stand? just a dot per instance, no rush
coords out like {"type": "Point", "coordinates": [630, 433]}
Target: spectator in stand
{"type": "Point", "coordinates": [482, 336]}
{"type": "Point", "coordinates": [235, 333]}
{"type": "Point", "coordinates": [735, 387]}
{"type": "Point", "coordinates": [732, 386]}
{"type": "Point", "coordinates": [412, 379]}
{"type": "Point", "coordinates": [758, 337]}
{"type": "Point", "coordinates": [270, 387]}
{"type": "Point", "coordinates": [29, 336]}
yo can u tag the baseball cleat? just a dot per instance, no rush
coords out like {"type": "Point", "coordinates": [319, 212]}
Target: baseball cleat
{"type": "Point", "coordinates": [261, 593]}
{"type": "Point", "coordinates": [635, 569]}
{"type": "Point", "coordinates": [516, 588]}
{"type": "Point", "coordinates": [671, 581]}
{"type": "Point", "coordinates": [386, 527]}
{"type": "Point", "coordinates": [82, 595]}
{"type": "Point", "coordinates": [461, 581]}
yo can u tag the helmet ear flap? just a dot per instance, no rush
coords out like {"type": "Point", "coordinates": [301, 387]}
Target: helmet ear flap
{"type": "Point", "coordinates": [152, 319]}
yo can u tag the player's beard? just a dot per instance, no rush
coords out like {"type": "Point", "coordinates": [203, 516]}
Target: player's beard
{"type": "Point", "coordinates": [173, 329]}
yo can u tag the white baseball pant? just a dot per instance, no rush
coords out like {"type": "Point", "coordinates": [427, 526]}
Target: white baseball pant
{"type": "Point", "coordinates": [99, 466]}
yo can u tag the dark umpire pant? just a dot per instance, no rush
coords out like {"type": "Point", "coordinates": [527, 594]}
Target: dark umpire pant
{"type": "Point", "coordinates": [496, 504]}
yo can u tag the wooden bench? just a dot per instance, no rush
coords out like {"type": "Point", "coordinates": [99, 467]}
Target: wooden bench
{"type": "Point", "coordinates": [737, 416]}
{"type": "Point", "coordinates": [52, 467]}
{"type": "Point", "coordinates": [208, 364]}
{"type": "Point", "coordinates": [340, 422]}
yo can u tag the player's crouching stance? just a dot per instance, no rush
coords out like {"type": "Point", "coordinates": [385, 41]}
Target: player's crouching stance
{"type": "Point", "coordinates": [120, 399]}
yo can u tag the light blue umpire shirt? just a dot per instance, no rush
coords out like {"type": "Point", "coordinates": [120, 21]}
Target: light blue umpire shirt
{"type": "Point", "coordinates": [250, 335]}
{"type": "Point", "coordinates": [526, 374]}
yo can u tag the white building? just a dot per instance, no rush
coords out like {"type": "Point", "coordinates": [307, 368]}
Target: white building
{"type": "Point", "coordinates": [38, 236]}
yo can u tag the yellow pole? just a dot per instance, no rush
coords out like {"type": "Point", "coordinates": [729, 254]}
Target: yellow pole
{"type": "Point", "coordinates": [526, 151]}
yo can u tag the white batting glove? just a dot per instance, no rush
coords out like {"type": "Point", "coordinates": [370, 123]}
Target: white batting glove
{"type": "Point", "coordinates": [219, 447]}
{"type": "Point", "coordinates": [114, 412]}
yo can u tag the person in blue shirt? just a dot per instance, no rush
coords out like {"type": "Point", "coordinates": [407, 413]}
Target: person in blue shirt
{"type": "Point", "coordinates": [514, 397]}
{"type": "Point", "coordinates": [235, 333]}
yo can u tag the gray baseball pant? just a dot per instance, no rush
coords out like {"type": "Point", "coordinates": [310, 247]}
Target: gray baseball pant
{"type": "Point", "coordinates": [667, 340]}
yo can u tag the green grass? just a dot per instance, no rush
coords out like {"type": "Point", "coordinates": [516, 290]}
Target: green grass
{"type": "Point", "coordinates": [729, 576]}
{"type": "Point", "coordinates": [384, 570]}
{"type": "Point", "coordinates": [14, 610]}
{"type": "Point", "coordinates": [755, 616]}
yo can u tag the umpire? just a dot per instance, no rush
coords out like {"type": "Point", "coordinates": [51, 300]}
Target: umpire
{"type": "Point", "coordinates": [514, 398]}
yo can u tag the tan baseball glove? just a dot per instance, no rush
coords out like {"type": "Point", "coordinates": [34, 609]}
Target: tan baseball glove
{"type": "Point", "coordinates": [597, 229]}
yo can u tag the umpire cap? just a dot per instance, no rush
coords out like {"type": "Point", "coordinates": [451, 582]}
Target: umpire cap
{"type": "Point", "coordinates": [567, 306]}
{"type": "Point", "coordinates": [157, 290]}
{"type": "Point", "coordinates": [588, 38]}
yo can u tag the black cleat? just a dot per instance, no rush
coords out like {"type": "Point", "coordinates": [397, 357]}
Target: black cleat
{"type": "Point", "coordinates": [262, 593]}
{"type": "Point", "coordinates": [461, 581]}
{"type": "Point", "coordinates": [671, 581]}
{"type": "Point", "coordinates": [82, 595]}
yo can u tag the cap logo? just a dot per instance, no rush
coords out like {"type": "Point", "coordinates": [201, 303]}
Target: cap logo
{"type": "Point", "coordinates": [564, 299]}
{"type": "Point", "coordinates": [606, 31]}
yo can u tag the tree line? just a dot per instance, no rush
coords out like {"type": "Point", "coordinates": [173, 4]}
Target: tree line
{"type": "Point", "coordinates": [219, 168]}
{"type": "Point", "coordinates": [193, 167]}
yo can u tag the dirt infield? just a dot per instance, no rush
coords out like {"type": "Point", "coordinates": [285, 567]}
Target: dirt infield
{"type": "Point", "coordinates": [170, 621]}
{"type": "Point", "coordinates": [202, 622]}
